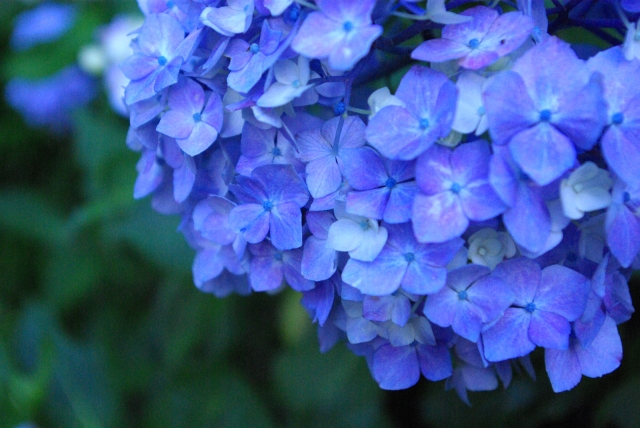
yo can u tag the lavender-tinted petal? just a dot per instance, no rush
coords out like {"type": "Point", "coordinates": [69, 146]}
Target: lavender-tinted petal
{"type": "Point", "coordinates": [176, 124]}
{"type": "Point", "coordinates": [352, 135]}
{"type": "Point", "coordinates": [377, 308]}
{"type": "Point", "coordinates": [508, 32]}
{"type": "Point", "coordinates": [563, 291]}
{"type": "Point", "coordinates": [285, 225]}
{"type": "Point", "coordinates": [528, 213]}
{"type": "Point", "coordinates": [423, 279]}
{"type": "Point", "coordinates": [395, 368]}
{"type": "Point", "coordinates": [492, 296]}
{"type": "Point", "coordinates": [368, 203]}
{"type": "Point", "coordinates": [400, 203]}
{"type": "Point", "coordinates": [292, 262]}
{"type": "Point", "coordinates": [542, 152]}
{"type": "Point", "coordinates": [523, 275]}
{"type": "Point", "coordinates": [563, 369]}
{"type": "Point", "coordinates": [440, 50]}
{"type": "Point", "coordinates": [138, 66]}
{"type": "Point", "coordinates": [623, 233]}
{"type": "Point", "coordinates": [433, 170]}
{"type": "Point", "coordinates": [377, 278]}
{"type": "Point", "coordinates": [319, 223]}
{"type": "Point", "coordinates": [319, 301]}
{"type": "Point", "coordinates": [265, 273]}
{"type": "Point", "coordinates": [317, 26]}
{"type": "Point", "coordinates": [621, 151]}
{"type": "Point", "coordinates": [183, 179]}
{"type": "Point", "coordinates": [363, 169]}
{"type": "Point", "coordinates": [467, 321]}
{"type": "Point", "coordinates": [395, 133]}
{"type": "Point", "coordinates": [167, 75]}
{"type": "Point", "coordinates": [480, 202]}
{"type": "Point", "coordinates": [437, 254]}
{"type": "Point", "coordinates": [207, 265]}
{"type": "Point", "coordinates": [549, 330]}
{"type": "Point", "coordinates": [435, 362]}
{"type": "Point", "coordinates": [509, 106]}
{"type": "Point", "coordinates": [605, 352]}
{"type": "Point", "coordinates": [509, 337]}
{"type": "Point", "coordinates": [323, 176]}
{"type": "Point", "coordinates": [351, 49]}
{"type": "Point", "coordinates": [360, 330]}
{"type": "Point", "coordinates": [438, 218]}
{"type": "Point", "coordinates": [251, 221]}
{"type": "Point", "coordinates": [478, 27]}
{"type": "Point", "coordinates": [200, 139]}
{"type": "Point", "coordinates": [282, 182]}
{"type": "Point", "coordinates": [318, 261]}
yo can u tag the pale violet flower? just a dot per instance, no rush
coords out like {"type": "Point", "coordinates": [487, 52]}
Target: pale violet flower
{"type": "Point", "coordinates": [586, 189]}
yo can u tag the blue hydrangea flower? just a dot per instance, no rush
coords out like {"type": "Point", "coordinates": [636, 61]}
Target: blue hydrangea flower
{"type": "Point", "coordinates": [45, 23]}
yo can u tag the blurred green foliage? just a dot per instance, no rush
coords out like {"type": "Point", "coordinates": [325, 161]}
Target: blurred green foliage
{"type": "Point", "coordinates": [101, 326]}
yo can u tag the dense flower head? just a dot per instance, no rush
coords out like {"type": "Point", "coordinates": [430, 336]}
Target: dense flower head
{"type": "Point", "coordinates": [486, 206]}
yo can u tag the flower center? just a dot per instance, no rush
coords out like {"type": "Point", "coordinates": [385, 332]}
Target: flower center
{"type": "Point", "coordinates": [482, 111]}
{"type": "Point", "coordinates": [530, 307]}
{"type": "Point", "coordinates": [276, 151]}
{"type": "Point", "coordinates": [424, 123]}
{"type": "Point", "coordinates": [162, 60]}
{"type": "Point", "coordinates": [626, 197]}
{"type": "Point", "coordinates": [347, 26]}
{"type": "Point", "coordinates": [482, 251]}
{"type": "Point", "coordinates": [390, 183]}
{"type": "Point", "coordinates": [409, 257]}
{"type": "Point", "coordinates": [578, 187]}
{"type": "Point", "coordinates": [545, 115]}
{"type": "Point", "coordinates": [278, 256]}
{"type": "Point", "coordinates": [455, 188]}
{"type": "Point", "coordinates": [364, 224]}
{"type": "Point", "coordinates": [617, 118]}
{"type": "Point", "coordinates": [197, 117]}
{"type": "Point", "coordinates": [267, 205]}
{"type": "Point", "coordinates": [474, 43]}
{"type": "Point", "coordinates": [295, 83]}
{"type": "Point", "coordinates": [254, 48]}
{"type": "Point", "coordinates": [462, 295]}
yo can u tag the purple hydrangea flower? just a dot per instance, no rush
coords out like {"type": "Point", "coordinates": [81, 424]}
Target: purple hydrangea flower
{"type": "Point", "coordinates": [346, 31]}
{"type": "Point", "coordinates": [602, 356]}
{"type": "Point", "coordinates": [403, 262]}
{"type": "Point", "coordinates": [328, 156]}
{"type": "Point", "coordinates": [454, 188]}
{"type": "Point", "coordinates": [194, 117]}
{"type": "Point", "coordinates": [383, 190]}
{"type": "Point", "coordinates": [269, 266]}
{"type": "Point", "coordinates": [429, 99]}
{"type": "Point", "coordinates": [546, 301]}
{"type": "Point", "coordinates": [622, 224]}
{"type": "Point", "coordinates": [160, 51]}
{"type": "Point", "coordinates": [319, 262]}
{"type": "Point", "coordinates": [471, 298]}
{"type": "Point", "coordinates": [479, 42]}
{"type": "Point", "coordinates": [545, 107]}
{"type": "Point", "coordinates": [271, 201]}
{"type": "Point", "coordinates": [619, 143]}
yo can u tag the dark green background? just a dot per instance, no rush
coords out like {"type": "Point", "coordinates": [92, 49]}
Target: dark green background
{"type": "Point", "coordinates": [101, 326]}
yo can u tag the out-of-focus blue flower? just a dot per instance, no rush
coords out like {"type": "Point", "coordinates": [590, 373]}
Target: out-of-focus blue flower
{"type": "Point", "coordinates": [50, 101]}
{"type": "Point", "coordinates": [43, 24]}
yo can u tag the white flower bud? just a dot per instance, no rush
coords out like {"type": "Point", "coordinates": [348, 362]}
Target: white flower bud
{"type": "Point", "coordinates": [586, 189]}
{"type": "Point", "coordinates": [488, 247]}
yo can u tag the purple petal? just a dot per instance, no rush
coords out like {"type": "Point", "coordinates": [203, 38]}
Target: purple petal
{"type": "Point", "coordinates": [438, 218]}
{"type": "Point", "coordinates": [523, 275]}
{"type": "Point", "coordinates": [395, 367]}
{"type": "Point", "coordinates": [377, 278]}
{"type": "Point", "coordinates": [317, 26]}
{"type": "Point", "coordinates": [364, 169]}
{"type": "Point", "coordinates": [509, 106]}
{"type": "Point", "coordinates": [623, 233]}
{"type": "Point", "coordinates": [266, 273]}
{"type": "Point", "coordinates": [318, 261]}
{"type": "Point", "coordinates": [369, 203]}
{"type": "Point", "coordinates": [549, 330]}
{"type": "Point", "coordinates": [562, 291]}
{"type": "Point", "coordinates": [528, 213]}
{"type": "Point", "coordinates": [492, 296]}
{"type": "Point", "coordinates": [509, 337]}
{"type": "Point", "coordinates": [563, 369]}
{"type": "Point", "coordinates": [285, 226]}
{"type": "Point", "coordinates": [251, 221]}
{"type": "Point", "coordinates": [351, 49]}
{"type": "Point", "coordinates": [292, 261]}
{"type": "Point", "coordinates": [433, 170]}
{"type": "Point", "coordinates": [605, 352]}
{"type": "Point", "coordinates": [423, 279]}
{"type": "Point", "coordinates": [200, 139]}
{"type": "Point", "coordinates": [323, 176]}
{"type": "Point", "coordinates": [435, 362]}
{"type": "Point", "coordinates": [440, 50]}
{"type": "Point", "coordinates": [400, 202]}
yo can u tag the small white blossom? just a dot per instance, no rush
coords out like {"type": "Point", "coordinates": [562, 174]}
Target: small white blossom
{"type": "Point", "coordinates": [586, 189]}
{"type": "Point", "coordinates": [488, 247]}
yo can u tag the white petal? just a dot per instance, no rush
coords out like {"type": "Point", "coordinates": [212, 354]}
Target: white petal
{"type": "Point", "coordinates": [345, 235]}
{"type": "Point", "coordinates": [372, 243]}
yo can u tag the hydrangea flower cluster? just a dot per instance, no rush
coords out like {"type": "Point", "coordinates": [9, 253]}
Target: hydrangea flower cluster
{"type": "Point", "coordinates": [488, 207]}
